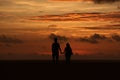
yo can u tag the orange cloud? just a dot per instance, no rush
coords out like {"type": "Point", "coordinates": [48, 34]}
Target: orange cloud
{"type": "Point", "coordinates": [70, 0]}
{"type": "Point", "coordinates": [65, 0]}
{"type": "Point", "coordinates": [89, 0]}
{"type": "Point", "coordinates": [114, 16]}
{"type": "Point", "coordinates": [95, 1]}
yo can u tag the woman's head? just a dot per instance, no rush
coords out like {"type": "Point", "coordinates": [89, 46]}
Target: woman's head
{"type": "Point", "coordinates": [67, 44]}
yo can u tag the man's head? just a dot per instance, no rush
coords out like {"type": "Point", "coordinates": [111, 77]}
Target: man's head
{"type": "Point", "coordinates": [55, 39]}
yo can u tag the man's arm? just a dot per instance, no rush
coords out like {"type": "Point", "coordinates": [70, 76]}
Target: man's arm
{"type": "Point", "coordinates": [52, 47]}
{"type": "Point", "coordinates": [60, 48]}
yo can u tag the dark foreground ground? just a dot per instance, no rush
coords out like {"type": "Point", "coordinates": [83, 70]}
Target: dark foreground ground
{"type": "Point", "coordinates": [49, 62]}
{"type": "Point", "coordinates": [61, 62]}
{"type": "Point", "coordinates": [46, 69]}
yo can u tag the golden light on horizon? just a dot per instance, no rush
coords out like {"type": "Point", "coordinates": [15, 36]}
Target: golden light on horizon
{"type": "Point", "coordinates": [91, 26]}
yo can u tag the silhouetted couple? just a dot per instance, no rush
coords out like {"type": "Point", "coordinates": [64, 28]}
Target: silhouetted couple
{"type": "Point", "coordinates": [56, 49]}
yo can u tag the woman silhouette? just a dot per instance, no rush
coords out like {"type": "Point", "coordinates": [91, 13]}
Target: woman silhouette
{"type": "Point", "coordinates": [68, 52]}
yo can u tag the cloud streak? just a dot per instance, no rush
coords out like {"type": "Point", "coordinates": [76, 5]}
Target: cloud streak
{"type": "Point", "coordinates": [93, 39]}
{"type": "Point", "coordinates": [105, 1]}
{"type": "Point", "coordinates": [61, 38]}
{"type": "Point", "coordinates": [116, 37]}
{"type": "Point", "coordinates": [79, 17]}
{"type": "Point", "coordinates": [6, 2]}
{"type": "Point", "coordinates": [104, 27]}
{"type": "Point", "coordinates": [95, 1]}
{"type": "Point", "coordinates": [96, 38]}
{"type": "Point", "coordinates": [6, 39]}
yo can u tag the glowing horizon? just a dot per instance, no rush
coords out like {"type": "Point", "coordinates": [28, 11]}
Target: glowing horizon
{"type": "Point", "coordinates": [91, 26]}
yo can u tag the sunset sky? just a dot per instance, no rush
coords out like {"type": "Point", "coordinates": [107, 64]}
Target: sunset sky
{"type": "Point", "coordinates": [91, 26]}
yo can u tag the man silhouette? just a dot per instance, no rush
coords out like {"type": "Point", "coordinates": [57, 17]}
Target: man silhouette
{"type": "Point", "coordinates": [55, 51]}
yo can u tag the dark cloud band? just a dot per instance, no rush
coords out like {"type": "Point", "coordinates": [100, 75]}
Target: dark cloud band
{"type": "Point", "coordinates": [96, 1]}
{"type": "Point", "coordinates": [105, 1]}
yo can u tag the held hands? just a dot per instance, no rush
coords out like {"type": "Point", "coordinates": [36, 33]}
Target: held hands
{"type": "Point", "coordinates": [61, 52]}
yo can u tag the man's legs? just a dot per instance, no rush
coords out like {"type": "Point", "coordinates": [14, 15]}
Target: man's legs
{"type": "Point", "coordinates": [53, 58]}
{"type": "Point", "coordinates": [57, 58]}
{"type": "Point", "coordinates": [68, 59]}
